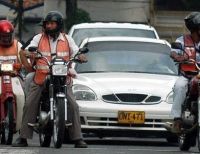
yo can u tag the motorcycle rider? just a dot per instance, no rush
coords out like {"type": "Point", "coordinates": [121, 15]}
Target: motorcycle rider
{"type": "Point", "coordinates": [51, 40]}
{"type": "Point", "coordinates": [191, 45]}
{"type": "Point", "coordinates": [9, 52]}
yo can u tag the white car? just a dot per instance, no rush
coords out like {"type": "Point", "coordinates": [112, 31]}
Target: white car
{"type": "Point", "coordinates": [86, 30]}
{"type": "Point", "coordinates": [126, 86]}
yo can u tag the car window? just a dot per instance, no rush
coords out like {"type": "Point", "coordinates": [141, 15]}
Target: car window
{"type": "Point", "coordinates": [128, 57]}
{"type": "Point", "coordinates": [80, 34]}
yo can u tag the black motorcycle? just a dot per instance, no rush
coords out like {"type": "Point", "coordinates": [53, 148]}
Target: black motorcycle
{"type": "Point", "coordinates": [190, 128]}
{"type": "Point", "coordinates": [52, 116]}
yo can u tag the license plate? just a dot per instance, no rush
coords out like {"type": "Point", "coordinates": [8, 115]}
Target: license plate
{"type": "Point", "coordinates": [131, 117]}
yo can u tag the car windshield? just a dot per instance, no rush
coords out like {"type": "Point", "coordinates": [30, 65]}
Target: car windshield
{"type": "Point", "coordinates": [80, 34]}
{"type": "Point", "coordinates": [124, 56]}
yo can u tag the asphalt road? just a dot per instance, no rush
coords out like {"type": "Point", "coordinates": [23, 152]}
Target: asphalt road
{"type": "Point", "coordinates": [103, 146]}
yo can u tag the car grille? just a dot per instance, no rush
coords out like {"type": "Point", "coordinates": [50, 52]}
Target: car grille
{"type": "Point", "coordinates": [113, 122]}
{"type": "Point", "coordinates": [127, 98]}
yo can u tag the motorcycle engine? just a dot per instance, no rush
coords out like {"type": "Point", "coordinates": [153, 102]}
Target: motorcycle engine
{"type": "Point", "coordinates": [188, 117]}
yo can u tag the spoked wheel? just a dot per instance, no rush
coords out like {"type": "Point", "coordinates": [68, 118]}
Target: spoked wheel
{"type": "Point", "coordinates": [184, 142]}
{"type": "Point", "coordinates": [59, 122]}
{"type": "Point", "coordinates": [8, 126]}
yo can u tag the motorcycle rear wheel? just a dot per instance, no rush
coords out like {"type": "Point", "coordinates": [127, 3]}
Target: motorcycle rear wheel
{"type": "Point", "coordinates": [8, 126]}
{"type": "Point", "coordinates": [198, 136]}
{"type": "Point", "coordinates": [59, 122]}
{"type": "Point", "coordinates": [184, 142]}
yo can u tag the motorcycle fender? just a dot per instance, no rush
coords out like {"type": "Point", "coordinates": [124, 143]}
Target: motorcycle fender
{"type": "Point", "coordinates": [20, 100]}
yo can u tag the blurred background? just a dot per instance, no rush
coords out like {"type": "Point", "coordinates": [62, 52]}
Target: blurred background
{"type": "Point", "coordinates": [165, 15]}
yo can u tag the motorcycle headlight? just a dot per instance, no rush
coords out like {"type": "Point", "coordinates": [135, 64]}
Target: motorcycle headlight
{"type": "Point", "coordinates": [83, 93]}
{"type": "Point", "coordinates": [6, 67]}
{"type": "Point", "coordinates": [59, 70]}
{"type": "Point", "coordinates": [169, 98]}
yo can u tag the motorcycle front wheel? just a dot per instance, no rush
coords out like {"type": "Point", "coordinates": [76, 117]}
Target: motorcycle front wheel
{"type": "Point", "coordinates": [8, 126]}
{"type": "Point", "coordinates": [59, 122]}
{"type": "Point", "coordinates": [198, 136]}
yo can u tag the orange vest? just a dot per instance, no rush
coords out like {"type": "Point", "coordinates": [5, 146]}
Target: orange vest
{"type": "Point", "coordinates": [42, 68]}
{"type": "Point", "coordinates": [10, 54]}
{"type": "Point", "coordinates": [189, 48]}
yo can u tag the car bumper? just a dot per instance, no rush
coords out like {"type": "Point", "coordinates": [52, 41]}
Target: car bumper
{"type": "Point", "coordinates": [104, 116]}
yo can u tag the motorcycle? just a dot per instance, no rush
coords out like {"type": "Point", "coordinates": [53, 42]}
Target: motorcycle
{"type": "Point", "coordinates": [190, 128]}
{"type": "Point", "coordinates": [12, 101]}
{"type": "Point", "coordinates": [52, 116]}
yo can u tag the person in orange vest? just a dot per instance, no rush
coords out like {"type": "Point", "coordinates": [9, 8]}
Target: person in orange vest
{"type": "Point", "coordinates": [51, 40]}
{"type": "Point", "coordinates": [9, 52]}
{"type": "Point", "coordinates": [191, 46]}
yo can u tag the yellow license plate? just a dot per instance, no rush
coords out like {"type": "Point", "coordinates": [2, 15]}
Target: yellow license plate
{"type": "Point", "coordinates": [131, 117]}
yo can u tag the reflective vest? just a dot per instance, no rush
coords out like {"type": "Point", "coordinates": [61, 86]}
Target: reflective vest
{"type": "Point", "coordinates": [42, 68]}
{"type": "Point", "coordinates": [10, 54]}
{"type": "Point", "coordinates": [189, 48]}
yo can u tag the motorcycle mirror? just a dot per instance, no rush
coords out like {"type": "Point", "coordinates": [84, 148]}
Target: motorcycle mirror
{"type": "Point", "coordinates": [32, 49]}
{"type": "Point", "coordinates": [83, 50]}
{"type": "Point", "coordinates": [176, 45]}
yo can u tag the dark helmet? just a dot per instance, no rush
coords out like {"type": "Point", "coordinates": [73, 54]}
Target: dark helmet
{"type": "Point", "coordinates": [192, 21]}
{"type": "Point", "coordinates": [6, 33]}
{"type": "Point", "coordinates": [58, 18]}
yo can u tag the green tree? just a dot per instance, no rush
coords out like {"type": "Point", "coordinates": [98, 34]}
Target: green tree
{"type": "Point", "coordinates": [75, 15]}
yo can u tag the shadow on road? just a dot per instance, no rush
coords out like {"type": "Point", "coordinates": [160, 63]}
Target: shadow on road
{"type": "Point", "coordinates": [130, 141]}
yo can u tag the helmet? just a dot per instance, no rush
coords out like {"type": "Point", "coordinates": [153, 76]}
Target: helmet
{"type": "Point", "coordinates": [58, 18]}
{"type": "Point", "coordinates": [192, 21]}
{"type": "Point", "coordinates": [6, 33]}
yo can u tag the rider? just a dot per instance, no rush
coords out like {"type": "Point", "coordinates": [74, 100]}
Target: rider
{"type": "Point", "coordinates": [9, 52]}
{"type": "Point", "coordinates": [51, 40]}
{"type": "Point", "coordinates": [191, 45]}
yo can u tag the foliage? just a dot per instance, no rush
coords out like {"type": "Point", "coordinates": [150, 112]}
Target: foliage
{"type": "Point", "coordinates": [80, 16]}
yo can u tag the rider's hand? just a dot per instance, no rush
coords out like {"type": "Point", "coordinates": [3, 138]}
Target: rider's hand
{"type": "Point", "coordinates": [72, 73]}
{"type": "Point", "coordinates": [179, 58]}
{"type": "Point", "coordinates": [82, 58]}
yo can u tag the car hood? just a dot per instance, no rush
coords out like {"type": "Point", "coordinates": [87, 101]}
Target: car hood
{"type": "Point", "coordinates": [106, 83]}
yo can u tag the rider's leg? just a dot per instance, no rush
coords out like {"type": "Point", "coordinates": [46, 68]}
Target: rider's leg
{"type": "Point", "coordinates": [180, 90]}
{"type": "Point", "coordinates": [75, 129]}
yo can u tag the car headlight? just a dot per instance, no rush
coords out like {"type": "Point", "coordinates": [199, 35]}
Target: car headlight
{"type": "Point", "coordinates": [83, 93]}
{"type": "Point", "coordinates": [169, 98]}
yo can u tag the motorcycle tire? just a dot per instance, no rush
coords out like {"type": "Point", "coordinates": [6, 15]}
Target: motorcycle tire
{"type": "Point", "coordinates": [198, 136]}
{"type": "Point", "coordinates": [8, 126]}
{"type": "Point", "coordinates": [59, 122]}
{"type": "Point", "coordinates": [184, 141]}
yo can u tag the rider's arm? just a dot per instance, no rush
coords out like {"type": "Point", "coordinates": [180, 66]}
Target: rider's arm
{"type": "Point", "coordinates": [178, 57]}
{"type": "Point", "coordinates": [23, 56]}
{"type": "Point", "coordinates": [177, 54]}
{"type": "Point", "coordinates": [34, 41]}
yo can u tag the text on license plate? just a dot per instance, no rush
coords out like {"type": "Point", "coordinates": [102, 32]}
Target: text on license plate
{"type": "Point", "coordinates": [134, 117]}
